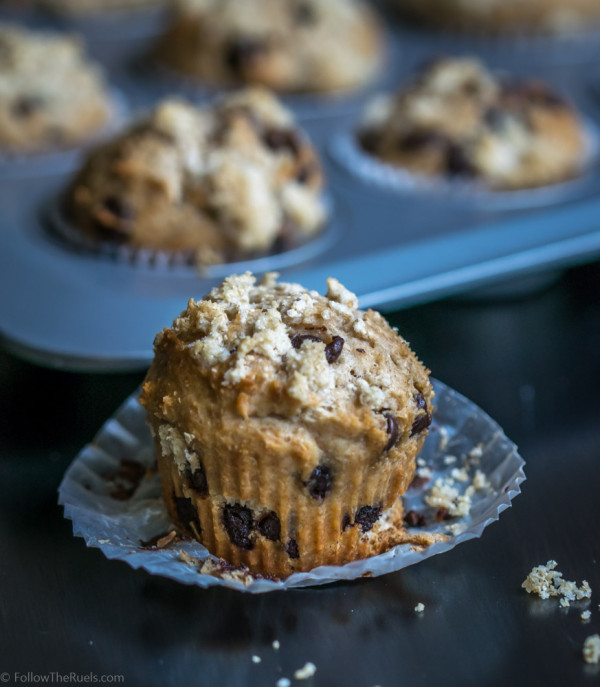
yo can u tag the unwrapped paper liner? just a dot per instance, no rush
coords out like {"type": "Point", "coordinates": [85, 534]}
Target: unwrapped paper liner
{"type": "Point", "coordinates": [461, 436]}
{"type": "Point", "coordinates": [347, 152]}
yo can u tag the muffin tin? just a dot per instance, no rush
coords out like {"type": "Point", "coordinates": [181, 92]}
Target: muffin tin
{"type": "Point", "coordinates": [71, 308]}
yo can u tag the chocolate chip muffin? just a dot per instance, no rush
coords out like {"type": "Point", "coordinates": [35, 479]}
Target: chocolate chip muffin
{"type": "Point", "coordinates": [458, 120]}
{"type": "Point", "coordinates": [505, 16]}
{"type": "Point", "coordinates": [51, 97]}
{"type": "Point", "coordinates": [286, 45]}
{"type": "Point", "coordinates": [229, 180]}
{"type": "Point", "coordinates": [286, 424]}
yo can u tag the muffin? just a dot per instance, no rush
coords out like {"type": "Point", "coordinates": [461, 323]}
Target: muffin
{"type": "Point", "coordinates": [286, 45]}
{"type": "Point", "coordinates": [51, 96]}
{"type": "Point", "coordinates": [93, 7]}
{"type": "Point", "coordinates": [505, 16]}
{"type": "Point", "coordinates": [457, 119]}
{"type": "Point", "coordinates": [286, 423]}
{"type": "Point", "coordinates": [229, 180]}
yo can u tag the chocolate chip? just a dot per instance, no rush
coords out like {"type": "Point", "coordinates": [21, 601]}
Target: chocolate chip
{"type": "Point", "coordinates": [282, 140]}
{"type": "Point", "coordinates": [419, 400]}
{"type": "Point", "coordinates": [415, 519]}
{"type": "Point", "coordinates": [420, 424]}
{"type": "Point", "coordinates": [241, 52]}
{"type": "Point", "coordinates": [420, 140]}
{"type": "Point", "coordinates": [269, 526]}
{"type": "Point", "coordinates": [305, 14]}
{"type": "Point", "coordinates": [119, 208]}
{"type": "Point", "coordinates": [360, 350]}
{"type": "Point", "coordinates": [369, 140]}
{"type": "Point", "coordinates": [306, 172]}
{"type": "Point", "coordinates": [197, 480]}
{"type": "Point", "coordinates": [367, 516]}
{"type": "Point", "coordinates": [418, 482]}
{"type": "Point", "coordinates": [238, 522]}
{"type": "Point", "coordinates": [392, 429]}
{"type": "Point", "coordinates": [346, 522]}
{"type": "Point", "coordinates": [457, 162]}
{"type": "Point", "coordinates": [333, 350]}
{"type": "Point", "coordinates": [320, 482]}
{"type": "Point", "coordinates": [442, 514]}
{"type": "Point", "coordinates": [422, 421]}
{"type": "Point", "coordinates": [186, 511]}
{"type": "Point", "coordinates": [298, 339]}
{"type": "Point", "coordinates": [27, 105]}
{"type": "Point", "coordinates": [292, 549]}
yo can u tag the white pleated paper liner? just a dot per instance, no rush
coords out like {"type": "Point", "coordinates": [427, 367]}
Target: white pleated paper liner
{"type": "Point", "coordinates": [346, 151]}
{"type": "Point", "coordinates": [63, 160]}
{"type": "Point", "coordinates": [300, 249]}
{"type": "Point", "coordinates": [117, 520]}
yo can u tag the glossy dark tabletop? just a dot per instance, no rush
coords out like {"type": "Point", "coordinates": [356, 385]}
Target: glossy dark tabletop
{"type": "Point", "coordinates": [531, 362]}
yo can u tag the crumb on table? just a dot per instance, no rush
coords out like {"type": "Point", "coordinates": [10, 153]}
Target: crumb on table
{"type": "Point", "coordinates": [591, 649]}
{"type": "Point", "coordinates": [306, 672]}
{"type": "Point", "coordinates": [546, 581]}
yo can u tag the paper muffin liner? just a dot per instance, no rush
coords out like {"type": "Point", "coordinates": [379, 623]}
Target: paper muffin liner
{"type": "Point", "coordinates": [348, 154]}
{"type": "Point", "coordinates": [59, 227]}
{"type": "Point", "coordinates": [112, 493]}
{"type": "Point", "coordinates": [63, 160]}
{"type": "Point", "coordinates": [323, 533]}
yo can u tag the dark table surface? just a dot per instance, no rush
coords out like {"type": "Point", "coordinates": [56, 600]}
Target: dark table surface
{"type": "Point", "coordinates": [531, 362]}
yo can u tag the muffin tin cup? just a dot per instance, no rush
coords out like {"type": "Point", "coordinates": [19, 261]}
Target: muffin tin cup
{"type": "Point", "coordinates": [305, 106]}
{"type": "Point", "coordinates": [347, 153]}
{"type": "Point", "coordinates": [62, 161]}
{"type": "Point", "coordinates": [578, 47]}
{"type": "Point", "coordinates": [114, 25]}
{"type": "Point", "coordinates": [117, 521]}
{"type": "Point", "coordinates": [61, 229]}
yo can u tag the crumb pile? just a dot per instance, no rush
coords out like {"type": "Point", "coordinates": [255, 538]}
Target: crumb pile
{"type": "Point", "coordinates": [546, 581]}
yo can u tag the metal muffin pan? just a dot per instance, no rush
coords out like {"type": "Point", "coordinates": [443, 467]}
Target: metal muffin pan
{"type": "Point", "coordinates": [64, 307]}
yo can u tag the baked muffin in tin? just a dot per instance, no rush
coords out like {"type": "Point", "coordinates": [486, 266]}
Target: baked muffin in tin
{"type": "Point", "coordinates": [458, 120]}
{"type": "Point", "coordinates": [51, 96]}
{"type": "Point", "coordinates": [287, 45]}
{"type": "Point", "coordinates": [225, 181]}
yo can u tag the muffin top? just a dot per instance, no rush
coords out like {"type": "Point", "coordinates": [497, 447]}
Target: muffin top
{"type": "Point", "coordinates": [279, 350]}
{"type": "Point", "coordinates": [456, 118]}
{"type": "Point", "coordinates": [221, 180]}
{"type": "Point", "coordinates": [288, 45]}
{"type": "Point", "coordinates": [50, 95]}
